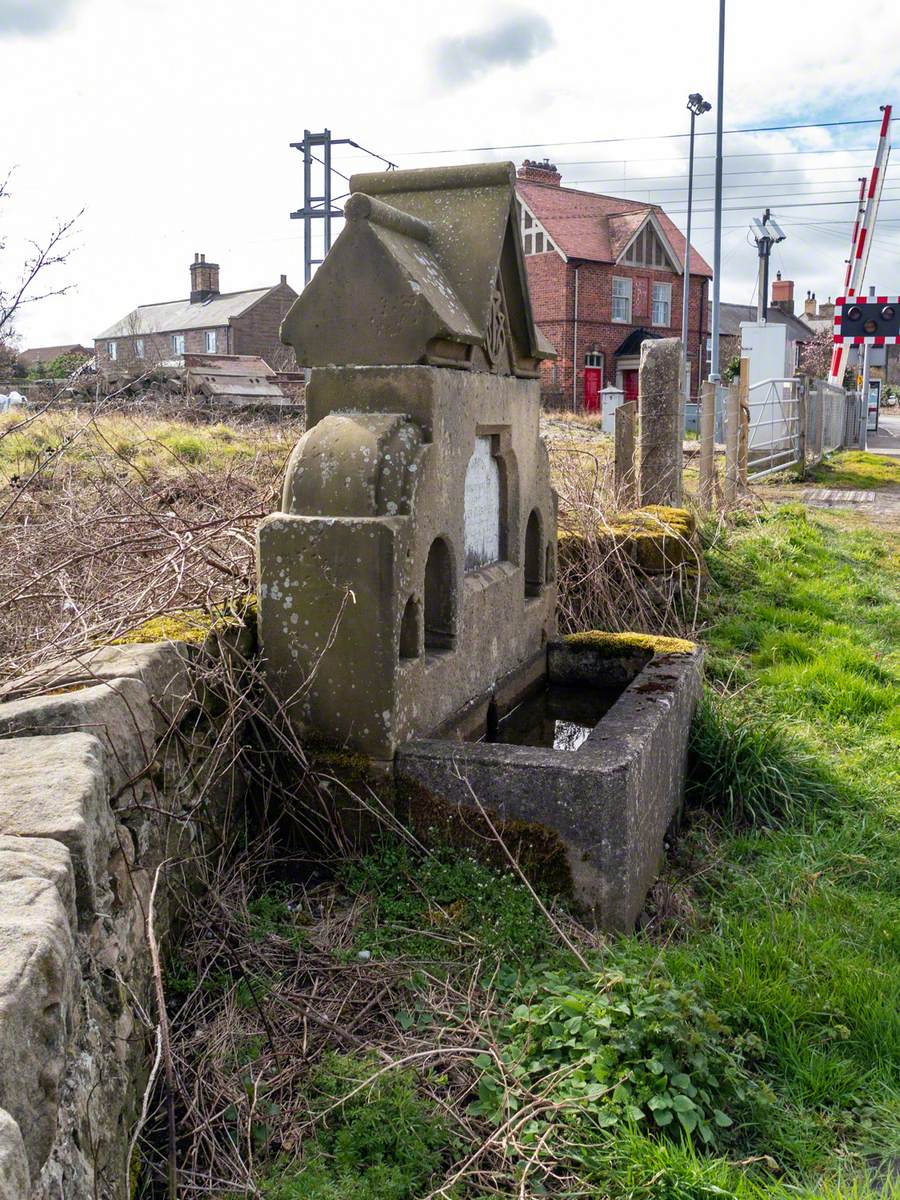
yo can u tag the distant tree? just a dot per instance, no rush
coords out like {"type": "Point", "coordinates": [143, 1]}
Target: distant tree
{"type": "Point", "coordinates": [25, 290]}
{"type": "Point", "coordinates": [815, 357]}
{"type": "Point", "coordinates": [62, 366]}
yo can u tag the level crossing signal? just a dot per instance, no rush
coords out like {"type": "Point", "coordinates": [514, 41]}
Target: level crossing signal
{"type": "Point", "coordinates": [875, 322]}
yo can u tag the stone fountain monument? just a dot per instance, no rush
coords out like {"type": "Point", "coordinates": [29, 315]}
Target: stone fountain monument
{"type": "Point", "coordinates": [407, 587]}
{"type": "Point", "coordinates": [412, 565]}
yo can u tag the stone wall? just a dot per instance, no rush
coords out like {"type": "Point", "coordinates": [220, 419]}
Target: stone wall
{"type": "Point", "coordinates": [113, 773]}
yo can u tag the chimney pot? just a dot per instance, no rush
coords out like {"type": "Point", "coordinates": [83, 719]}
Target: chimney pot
{"type": "Point", "coordinates": [204, 279]}
{"type": "Point", "coordinates": [540, 172]}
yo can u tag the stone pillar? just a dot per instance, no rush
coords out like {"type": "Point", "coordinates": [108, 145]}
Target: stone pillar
{"type": "Point", "coordinates": [625, 482]}
{"type": "Point", "coordinates": [661, 433]}
{"type": "Point", "coordinates": [707, 444]}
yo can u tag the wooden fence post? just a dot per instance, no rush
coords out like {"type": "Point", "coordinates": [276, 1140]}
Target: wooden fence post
{"type": "Point", "coordinates": [732, 440]}
{"type": "Point", "coordinates": [744, 435]}
{"type": "Point", "coordinates": [707, 444]}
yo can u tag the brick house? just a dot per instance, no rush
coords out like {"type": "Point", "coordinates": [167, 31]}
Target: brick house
{"type": "Point", "coordinates": [604, 275]}
{"type": "Point", "coordinates": [207, 322]}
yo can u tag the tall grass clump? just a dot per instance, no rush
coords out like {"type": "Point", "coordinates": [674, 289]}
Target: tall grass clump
{"type": "Point", "coordinates": [748, 769]}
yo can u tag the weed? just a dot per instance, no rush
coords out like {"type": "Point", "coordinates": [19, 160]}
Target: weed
{"type": "Point", "coordinates": [447, 906]}
{"type": "Point", "coordinates": [383, 1142]}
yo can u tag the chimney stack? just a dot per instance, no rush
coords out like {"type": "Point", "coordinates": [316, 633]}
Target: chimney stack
{"type": "Point", "coordinates": [783, 294]}
{"type": "Point", "coordinates": [540, 172]}
{"type": "Point", "coordinates": [809, 305]}
{"type": "Point", "coordinates": [204, 279]}
{"type": "Point", "coordinates": [826, 310]}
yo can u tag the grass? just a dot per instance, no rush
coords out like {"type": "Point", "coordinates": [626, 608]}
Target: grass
{"type": "Point", "coordinates": [856, 469]}
{"type": "Point", "coordinates": [792, 868]}
{"type": "Point", "coordinates": [142, 443]}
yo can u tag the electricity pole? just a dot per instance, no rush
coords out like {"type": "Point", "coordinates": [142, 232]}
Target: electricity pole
{"type": "Point", "coordinates": [767, 233]}
{"type": "Point", "coordinates": [717, 235]}
{"type": "Point", "coordinates": [321, 207]}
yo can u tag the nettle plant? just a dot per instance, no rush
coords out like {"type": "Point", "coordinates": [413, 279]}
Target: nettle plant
{"type": "Point", "coordinates": [623, 1049]}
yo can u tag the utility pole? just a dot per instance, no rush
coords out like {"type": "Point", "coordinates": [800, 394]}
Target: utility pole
{"type": "Point", "coordinates": [864, 398]}
{"type": "Point", "coordinates": [321, 207]}
{"type": "Point", "coordinates": [714, 374]}
{"type": "Point", "coordinates": [697, 106]}
{"type": "Point", "coordinates": [767, 233]}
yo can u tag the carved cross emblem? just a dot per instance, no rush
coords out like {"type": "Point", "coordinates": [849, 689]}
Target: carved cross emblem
{"type": "Point", "coordinates": [495, 341]}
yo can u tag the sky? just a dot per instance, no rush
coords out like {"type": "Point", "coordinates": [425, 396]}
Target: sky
{"type": "Point", "coordinates": [169, 123]}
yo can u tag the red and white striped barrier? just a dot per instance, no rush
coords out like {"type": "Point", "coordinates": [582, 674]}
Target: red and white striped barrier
{"type": "Point", "coordinates": [862, 241]}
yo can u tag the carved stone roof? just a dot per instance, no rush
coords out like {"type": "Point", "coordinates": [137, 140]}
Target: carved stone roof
{"type": "Point", "coordinates": [428, 269]}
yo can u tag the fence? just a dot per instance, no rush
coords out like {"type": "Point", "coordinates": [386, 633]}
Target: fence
{"type": "Point", "coordinates": [782, 423]}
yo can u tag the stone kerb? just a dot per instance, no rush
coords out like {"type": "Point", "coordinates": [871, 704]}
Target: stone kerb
{"type": "Point", "coordinates": [84, 823]}
{"type": "Point", "coordinates": [661, 429]}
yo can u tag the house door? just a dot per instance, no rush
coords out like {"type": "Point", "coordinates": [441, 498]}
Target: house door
{"type": "Point", "coordinates": [630, 385]}
{"type": "Point", "coordinates": [593, 377]}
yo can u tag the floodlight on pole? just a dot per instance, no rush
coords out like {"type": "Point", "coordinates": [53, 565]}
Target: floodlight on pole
{"type": "Point", "coordinates": [697, 106]}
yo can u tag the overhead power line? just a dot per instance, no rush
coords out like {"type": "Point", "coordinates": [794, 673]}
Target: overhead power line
{"type": "Point", "coordinates": [660, 137]}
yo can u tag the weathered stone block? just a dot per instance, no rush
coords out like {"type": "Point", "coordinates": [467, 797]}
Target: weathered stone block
{"type": "Point", "coordinates": [15, 1183]}
{"type": "Point", "coordinates": [56, 787]}
{"type": "Point", "coordinates": [117, 712]}
{"type": "Point", "coordinates": [661, 422]}
{"type": "Point", "coordinates": [40, 858]}
{"type": "Point", "coordinates": [39, 980]}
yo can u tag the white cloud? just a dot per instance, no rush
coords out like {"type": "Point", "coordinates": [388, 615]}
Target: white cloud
{"type": "Point", "coordinates": [33, 16]}
{"type": "Point", "coordinates": [512, 41]}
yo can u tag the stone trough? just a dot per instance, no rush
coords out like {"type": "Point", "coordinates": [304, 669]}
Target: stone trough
{"type": "Point", "coordinates": [609, 790]}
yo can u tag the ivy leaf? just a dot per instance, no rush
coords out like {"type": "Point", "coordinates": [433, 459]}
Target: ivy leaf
{"type": "Point", "coordinates": [636, 1114]}
{"type": "Point", "coordinates": [655, 1067]}
{"type": "Point", "coordinates": [663, 1117]}
{"type": "Point", "coordinates": [688, 1120]}
{"type": "Point", "coordinates": [606, 1118]}
{"type": "Point", "coordinates": [483, 1060]}
{"type": "Point", "coordinates": [722, 1119]}
{"type": "Point", "coordinates": [681, 1081]}
{"type": "Point", "coordinates": [655, 1103]}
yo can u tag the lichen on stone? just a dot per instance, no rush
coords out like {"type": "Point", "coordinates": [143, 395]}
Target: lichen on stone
{"type": "Point", "coordinates": [617, 645]}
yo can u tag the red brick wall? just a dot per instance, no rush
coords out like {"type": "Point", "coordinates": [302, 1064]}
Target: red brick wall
{"type": "Point", "coordinates": [157, 348]}
{"type": "Point", "coordinates": [552, 287]}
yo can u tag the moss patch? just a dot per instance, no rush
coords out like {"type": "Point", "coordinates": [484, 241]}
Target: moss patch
{"type": "Point", "coordinates": [192, 625]}
{"type": "Point", "coordinates": [617, 645]}
{"type": "Point", "coordinates": [656, 538]}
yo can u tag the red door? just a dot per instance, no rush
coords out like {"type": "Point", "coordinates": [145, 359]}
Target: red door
{"type": "Point", "coordinates": [592, 381]}
{"type": "Point", "coordinates": [630, 385]}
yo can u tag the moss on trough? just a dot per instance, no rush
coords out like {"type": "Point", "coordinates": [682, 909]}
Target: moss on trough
{"type": "Point", "coordinates": [617, 645]}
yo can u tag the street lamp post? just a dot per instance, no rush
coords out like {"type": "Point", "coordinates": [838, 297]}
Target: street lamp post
{"type": "Point", "coordinates": [696, 106]}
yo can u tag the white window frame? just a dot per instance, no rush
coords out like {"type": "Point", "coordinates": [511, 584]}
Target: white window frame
{"type": "Point", "coordinates": [210, 341]}
{"type": "Point", "coordinates": [112, 350]}
{"type": "Point", "coordinates": [708, 353]}
{"type": "Point", "coordinates": [667, 288]}
{"type": "Point", "coordinates": [178, 343]}
{"type": "Point", "coordinates": [625, 295]}
{"type": "Point", "coordinates": [138, 347]}
{"type": "Point", "coordinates": [596, 359]}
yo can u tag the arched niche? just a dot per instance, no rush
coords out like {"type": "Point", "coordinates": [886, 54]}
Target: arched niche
{"type": "Point", "coordinates": [485, 503]}
{"type": "Point", "coordinates": [534, 556]}
{"type": "Point", "coordinates": [411, 629]}
{"type": "Point", "coordinates": [440, 604]}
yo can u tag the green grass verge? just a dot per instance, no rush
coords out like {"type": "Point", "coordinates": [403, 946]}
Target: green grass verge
{"type": "Point", "coordinates": [857, 469]}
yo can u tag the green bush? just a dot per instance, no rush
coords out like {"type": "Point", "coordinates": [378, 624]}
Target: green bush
{"type": "Point", "coordinates": [626, 1049]}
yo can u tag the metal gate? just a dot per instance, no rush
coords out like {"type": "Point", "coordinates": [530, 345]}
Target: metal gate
{"type": "Point", "coordinates": [774, 426]}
